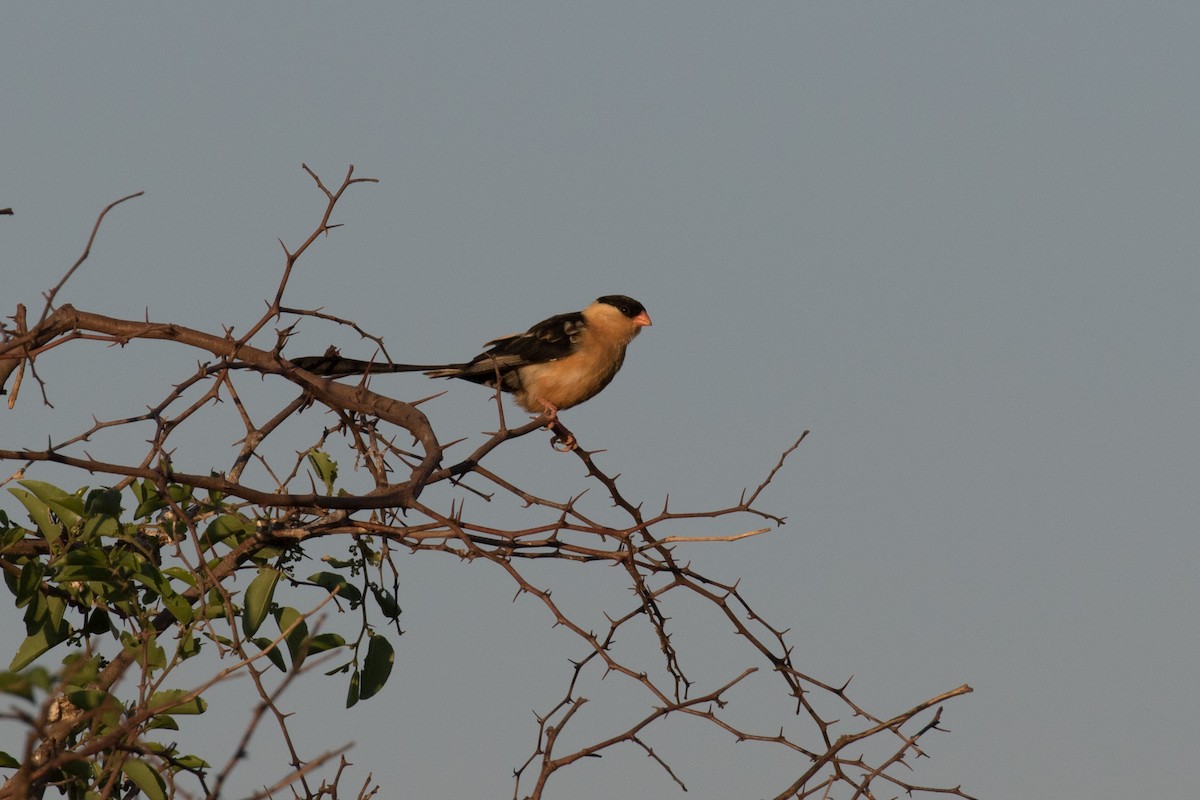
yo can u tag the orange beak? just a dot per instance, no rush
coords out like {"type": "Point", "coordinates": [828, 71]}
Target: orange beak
{"type": "Point", "coordinates": [642, 320]}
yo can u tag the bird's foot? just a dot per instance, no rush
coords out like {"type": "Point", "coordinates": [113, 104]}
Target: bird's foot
{"type": "Point", "coordinates": [563, 440]}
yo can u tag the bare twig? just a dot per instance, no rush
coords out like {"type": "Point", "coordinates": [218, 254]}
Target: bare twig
{"type": "Point", "coordinates": [87, 250]}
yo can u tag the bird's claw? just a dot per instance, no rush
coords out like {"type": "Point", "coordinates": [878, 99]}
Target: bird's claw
{"type": "Point", "coordinates": [563, 444]}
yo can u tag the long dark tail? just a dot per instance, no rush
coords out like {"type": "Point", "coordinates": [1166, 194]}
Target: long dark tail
{"type": "Point", "coordinates": [335, 366]}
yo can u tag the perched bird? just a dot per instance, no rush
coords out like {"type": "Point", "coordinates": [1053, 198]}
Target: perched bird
{"type": "Point", "coordinates": [558, 363]}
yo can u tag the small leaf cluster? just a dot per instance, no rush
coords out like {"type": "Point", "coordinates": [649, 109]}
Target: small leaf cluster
{"type": "Point", "coordinates": [117, 594]}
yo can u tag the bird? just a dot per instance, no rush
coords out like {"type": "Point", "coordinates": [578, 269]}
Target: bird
{"type": "Point", "coordinates": [558, 363]}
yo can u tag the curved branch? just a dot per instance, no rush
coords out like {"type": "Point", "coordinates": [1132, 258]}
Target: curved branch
{"type": "Point", "coordinates": [67, 320]}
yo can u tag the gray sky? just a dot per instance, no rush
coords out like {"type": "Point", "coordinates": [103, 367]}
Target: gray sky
{"type": "Point", "coordinates": [957, 241]}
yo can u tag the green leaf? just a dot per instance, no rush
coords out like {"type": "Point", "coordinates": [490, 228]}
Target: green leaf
{"type": "Point", "coordinates": [41, 678]}
{"type": "Point", "coordinates": [179, 607]}
{"type": "Point", "coordinates": [171, 702]}
{"type": "Point", "coordinates": [273, 653]}
{"type": "Point", "coordinates": [296, 639]}
{"type": "Point", "coordinates": [7, 761]}
{"type": "Point", "coordinates": [188, 646]}
{"type": "Point", "coordinates": [265, 555]}
{"type": "Point", "coordinates": [48, 491]}
{"type": "Point", "coordinates": [56, 608]}
{"type": "Point", "coordinates": [185, 575]}
{"type": "Point", "coordinates": [325, 641]}
{"type": "Point", "coordinates": [192, 762]}
{"type": "Point", "coordinates": [182, 495]}
{"type": "Point", "coordinates": [97, 526]}
{"type": "Point", "coordinates": [9, 536]}
{"type": "Point", "coordinates": [143, 570]}
{"type": "Point", "coordinates": [148, 499]}
{"type": "Point", "coordinates": [162, 722]}
{"type": "Point", "coordinates": [146, 573]}
{"type": "Point", "coordinates": [148, 653]}
{"type": "Point", "coordinates": [92, 556]}
{"type": "Point", "coordinates": [88, 699]}
{"type": "Point", "coordinates": [14, 683]}
{"type": "Point", "coordinates": [387, 602]}
{"type": "Point", "coordinates": [10, 580]}
{"type": "Point", "coordinates": [214, 612]}
{"type": "Point", "coordinates": [35, 644]}
{"type": "Point", "coordinates": [352, 692]}
{"type": "Point", "coordinates": [103, 501]}
{"type": "Point", "coordinates": [226, 526]}
{"type": "Point", "coordinates": [108, 580]}
{"type": "Point", "coordinates": [69, 510]}
{"type": "Point", "coordinates": [39, 514]}
{"type": "Point", "coordinates": [258, 599]}
{"type": "Point", "coordinates": [331, 581]}
{"type": "Point", "coordinates": [79, 670]}
{"type": "Point", "coordinates": [377, 666]}
{"type": "Point", "coordinates": [145, 777]}
{"type": "Point", "coordinates": [85, 564]}
{"type": "Point", "coordinates": [325, 467]}
{"type": "Point", "coordinates": [29, 584]}
{"type": "Point", "coordinates": [82, 773]}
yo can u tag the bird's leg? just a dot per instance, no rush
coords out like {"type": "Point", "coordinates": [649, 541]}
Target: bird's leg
{"type": "Point", "coordinates": [564, 440]}
{"type": "Point", "coordinates": [549, 410]}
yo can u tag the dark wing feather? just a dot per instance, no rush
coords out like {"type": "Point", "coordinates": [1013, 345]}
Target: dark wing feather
{"type": "Point", "coordinates": [549, 340]}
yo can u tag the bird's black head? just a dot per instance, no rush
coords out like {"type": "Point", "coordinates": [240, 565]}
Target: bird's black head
{"type": "Point", "coordinates": [626, 305]}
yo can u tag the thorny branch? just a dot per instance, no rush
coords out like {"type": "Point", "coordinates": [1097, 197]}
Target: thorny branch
{"type": "Point", "coordinates": [388, 507]}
